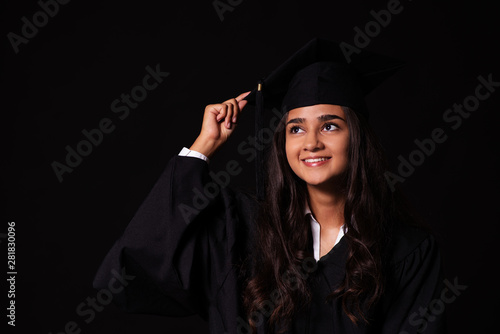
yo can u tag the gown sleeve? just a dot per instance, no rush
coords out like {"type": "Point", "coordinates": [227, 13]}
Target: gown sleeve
{"type": "Point", "coordinates": [179, 248]}
{"type": "Point", "coordinates": [416, 288]}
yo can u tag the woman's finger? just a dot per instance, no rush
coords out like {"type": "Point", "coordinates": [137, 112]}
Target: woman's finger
{"type": "Point", "coordinates": [233, 108]}
{"type": "Point", "coordinates": [238, 103]}
{"type": "Point", "coordinates": [242, 96]}
{"type": "Point", "coordinates": [221, 111]}
{"type": "Point", "coordinates": [229, 114]}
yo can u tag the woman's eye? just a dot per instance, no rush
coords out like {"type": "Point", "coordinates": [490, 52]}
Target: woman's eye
{"type": "Point", "coordinates": [330, 127]}
{"type": "Point", "coordinates": [295, 129]}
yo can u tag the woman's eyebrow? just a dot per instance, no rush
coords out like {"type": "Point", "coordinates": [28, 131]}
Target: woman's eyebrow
{"type": "Point", "coordinates": [321, 118]}
{"type": "Point", "coordinates": [329, 117]}
{"type": "Point", "coordinates": [296, 120]}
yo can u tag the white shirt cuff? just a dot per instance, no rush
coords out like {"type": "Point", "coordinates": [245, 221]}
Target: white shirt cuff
{"type": "Point", "coordinates": [185, 152]}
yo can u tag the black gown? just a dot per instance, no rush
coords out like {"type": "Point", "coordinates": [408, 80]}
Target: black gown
{"type": "Point", "coordinates": [182, 253]}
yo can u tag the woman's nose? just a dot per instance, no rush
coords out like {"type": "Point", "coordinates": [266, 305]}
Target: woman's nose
{"type": "Point", "coordinates": [312, 142]}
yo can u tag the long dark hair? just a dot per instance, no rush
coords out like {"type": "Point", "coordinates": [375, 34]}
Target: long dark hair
{"type": "Point", "coordinates": [278, 287]}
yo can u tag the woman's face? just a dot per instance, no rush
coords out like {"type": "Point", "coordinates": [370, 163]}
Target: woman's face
{"type": "Point", "coordinates": [317, 143]}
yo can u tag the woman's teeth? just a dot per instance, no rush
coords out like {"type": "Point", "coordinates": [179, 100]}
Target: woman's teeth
{"type": "Point", "coordinates": [316, 160]}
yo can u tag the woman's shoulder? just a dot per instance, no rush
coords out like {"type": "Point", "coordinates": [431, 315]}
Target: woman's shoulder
{"type": "Point", "coordinates": [410, 242]}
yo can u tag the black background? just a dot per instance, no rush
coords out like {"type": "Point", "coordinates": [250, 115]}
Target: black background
{"type": "Point", "coordinates": [64, 79]}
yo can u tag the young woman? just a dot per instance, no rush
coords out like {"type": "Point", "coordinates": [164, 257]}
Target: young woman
{"type": "Point", "coordinates": [330, 250]}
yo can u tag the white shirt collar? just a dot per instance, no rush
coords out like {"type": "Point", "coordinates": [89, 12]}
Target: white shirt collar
{"type": "Point", "coordinates": [316, 233]}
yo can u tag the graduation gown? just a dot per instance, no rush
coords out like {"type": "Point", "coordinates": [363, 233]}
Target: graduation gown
{"type": "Point", "coordinates": [182, 253]}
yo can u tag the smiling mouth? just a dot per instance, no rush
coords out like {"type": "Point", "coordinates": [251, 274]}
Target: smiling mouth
{"type": "Point", "coordinates": [315, 161]}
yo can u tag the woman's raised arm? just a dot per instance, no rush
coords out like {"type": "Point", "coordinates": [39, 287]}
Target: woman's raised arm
{"type": "Point", "coordinates": [219, 122]}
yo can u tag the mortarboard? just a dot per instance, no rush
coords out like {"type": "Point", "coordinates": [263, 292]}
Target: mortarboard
{"type": "Point", "coordinates": [321, 72]}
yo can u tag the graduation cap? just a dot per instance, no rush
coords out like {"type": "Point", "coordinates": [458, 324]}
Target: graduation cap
{"type": "Point", "coordinates": [321, 72]}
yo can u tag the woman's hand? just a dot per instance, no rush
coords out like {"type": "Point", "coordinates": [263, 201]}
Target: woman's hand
{"type": "Point", "coordinates": [219, 122]}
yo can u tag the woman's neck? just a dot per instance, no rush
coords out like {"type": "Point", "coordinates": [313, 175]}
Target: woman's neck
{"type": "Point", "coordinates": [327, 207]}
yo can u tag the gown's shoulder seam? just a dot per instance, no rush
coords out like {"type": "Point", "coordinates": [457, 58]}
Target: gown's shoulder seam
{"type": "Point", "coordinates": [426, 242]}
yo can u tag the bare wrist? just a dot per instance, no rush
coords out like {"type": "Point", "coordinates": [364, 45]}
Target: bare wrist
{"type": "Point", "coordinates": [204, 146]}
